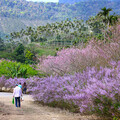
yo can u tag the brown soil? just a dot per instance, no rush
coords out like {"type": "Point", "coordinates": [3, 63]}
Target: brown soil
{"type": "Point", "coordinates": [32, 111]}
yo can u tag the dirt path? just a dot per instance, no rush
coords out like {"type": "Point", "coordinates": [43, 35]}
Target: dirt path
{"type": "Point", "coordinates": [32, 111]}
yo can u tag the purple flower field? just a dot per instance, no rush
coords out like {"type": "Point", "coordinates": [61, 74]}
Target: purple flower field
{"type": "Point", "coordinates": [92, 90]}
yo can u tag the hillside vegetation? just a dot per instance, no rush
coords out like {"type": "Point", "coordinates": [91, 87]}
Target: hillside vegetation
{"type": "Point", "coordinates": [53, 11]}
{"type": "Point", "coordinates": [74, 1]}
{"type": "Point", "coordinates": [33, 13]}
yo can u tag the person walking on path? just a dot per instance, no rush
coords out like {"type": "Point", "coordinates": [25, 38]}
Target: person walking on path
{"type": "Point", "coordinates": [20, 85]}
{"type": "Point", "coordinates": [17, 94]}
{"type": "Point", "coordinates": [24, 87]}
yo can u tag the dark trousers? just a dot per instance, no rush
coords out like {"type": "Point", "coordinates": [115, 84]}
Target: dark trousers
{"type": "Point", "coordinates": [17, 101]}
{"type": "Point", "coordinates": [24, 90]}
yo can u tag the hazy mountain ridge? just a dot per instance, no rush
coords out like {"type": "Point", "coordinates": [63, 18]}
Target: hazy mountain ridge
{"type": "Point", "coordinates": [72, 1]}
{"type": "Point", "coordinates": [52, 11]}
{"type": "Point", "coordinates": [75, 1]}
{"type": "Point", "coordinates": [26, 13]}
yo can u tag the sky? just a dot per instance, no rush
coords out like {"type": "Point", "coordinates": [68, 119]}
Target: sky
{"type": "Point", "coordinates": [44, 0]}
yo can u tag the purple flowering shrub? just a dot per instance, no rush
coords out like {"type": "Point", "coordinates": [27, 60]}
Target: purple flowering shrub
{"type": "Point", "coordinates": [11, 82]}
{"type": "Point", "coordinates": [92, 90]}
{"type": "Point", "coordinates": [71, 60]}
{"type": "Point", "coordinates": [97, 54]}
{"type": "Point", "coordinates": [2, 81]}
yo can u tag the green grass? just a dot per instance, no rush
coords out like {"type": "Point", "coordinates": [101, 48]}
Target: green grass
{"type": "Point", "coordinates": [5, 55]}
{"type": "Point", "coordinates": [43, 49]}
{"type": "Point", "coordinates": [46, 51]}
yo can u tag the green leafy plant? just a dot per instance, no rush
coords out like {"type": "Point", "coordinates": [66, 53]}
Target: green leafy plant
{"type": "Point", "coordinates": [15, 69]}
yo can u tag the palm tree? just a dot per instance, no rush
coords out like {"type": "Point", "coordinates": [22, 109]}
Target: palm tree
{"type": "Point", "coordinates": [105, 13]}
{"type": "Point", "coordinates": [112, 19]}
{"type": "Point", "coordinates": [107, 19]}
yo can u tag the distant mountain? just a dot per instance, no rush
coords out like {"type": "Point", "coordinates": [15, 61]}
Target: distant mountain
{"type": "Point", "coordinates": [71, 1]}
{"type": "Point", "coordinates": [8, 25]}
{"type": "Point", "coordinates": [76, 1]}
{"type": "Point", "coordinates": [23, 9]}
{"type": "Point", "coordinates": [17, 14]}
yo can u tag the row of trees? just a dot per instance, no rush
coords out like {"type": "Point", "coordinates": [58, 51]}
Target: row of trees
{"type": "Point", "coordinates": [68, 32]}
{"type": "Point", "coordinates": [60, 33]}
{"type": "Point", "coordinates": [64, 32]}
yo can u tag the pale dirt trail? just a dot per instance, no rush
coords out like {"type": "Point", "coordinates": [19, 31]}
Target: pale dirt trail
{"type": "Point", "coordinates": [32, 111]}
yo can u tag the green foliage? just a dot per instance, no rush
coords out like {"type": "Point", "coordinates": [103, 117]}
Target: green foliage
{"type": "Point", "coordinates": [19, 50]}
{"type": "Point", "coordinates": [99, 36]}
{"type": "Point", "coordinates": [22, 54]}
{"type": "Point", "coordinates": [57, 49]}
{"type": "Point", "coordinates": [104, 107]}
{"type": "Point", "coordinates": [38, 49]}
{"type": "Point", "coordinates": [46, 51]}
{"type": "Point", "coordinates": [18, 54]}
{"type": "Point", "coordinates": [14, 69]}
{"type": "Point", "coordinates": [56, 34]}
{"type": "Point", "coordinates": [1, 44]}
{"type": "Point", "coordinates": [96, 24]}
{"type": "Point", "coordinates": [42, 44]}
{"type": "Point", "coordinates": [102, 22]}
{"type": "Point", "coordinates": [5, 55]}
{"type": "Point", "coordinates": [28, 55]}
{"type": "Point", "coordinates": [115, 118]}
{"type": "Point", "coordinates": [68, 32]}
{"type": "Point", "coordinates": [107, 19]}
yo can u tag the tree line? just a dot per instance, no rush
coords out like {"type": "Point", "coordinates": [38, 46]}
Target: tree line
{"type": "Point", "coordinates": [65, 34]}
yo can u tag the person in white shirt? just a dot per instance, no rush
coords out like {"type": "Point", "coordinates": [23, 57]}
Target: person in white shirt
{"type": "Point", "coordinates": [17, 94]}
